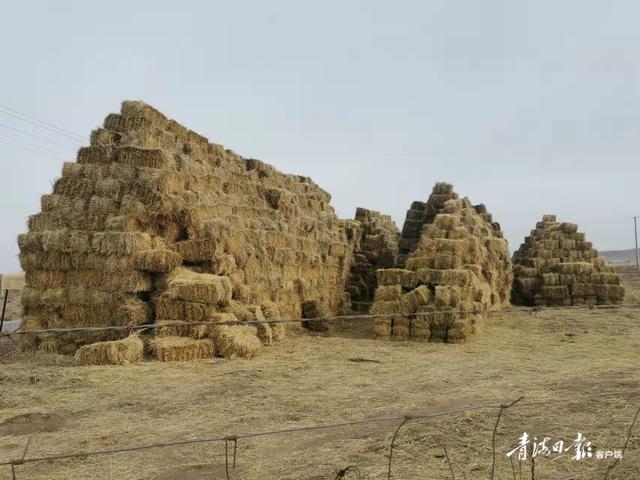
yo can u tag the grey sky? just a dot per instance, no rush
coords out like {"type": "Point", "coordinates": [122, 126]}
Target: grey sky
{"type": "Point", "coordinates": [528, 107]}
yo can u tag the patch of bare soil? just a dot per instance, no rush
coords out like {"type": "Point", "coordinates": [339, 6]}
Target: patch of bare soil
{"type": "Point", "coordinates": [28, 423]}
{"type": "Point", "coordinates": [199, 472]}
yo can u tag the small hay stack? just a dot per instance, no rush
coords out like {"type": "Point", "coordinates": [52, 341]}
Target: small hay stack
{"type": "Point", "coordinates": [460, 264]}
{"type": "Point", "coordinates": [556, 266]}
{"type": "Point", "coordinates": [154, 223]}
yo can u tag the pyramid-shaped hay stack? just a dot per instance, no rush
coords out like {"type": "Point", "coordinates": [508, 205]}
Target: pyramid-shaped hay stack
{"type": "Point", "coordinates": [557, 266]}
{"type": "Point", "coordinates": [154, 223]}
{"type": "Point", "coordinates": [459, 264]}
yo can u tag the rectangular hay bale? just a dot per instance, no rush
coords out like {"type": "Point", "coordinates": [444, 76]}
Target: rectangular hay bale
{"type": "Point", "coordinates": [181, 349]}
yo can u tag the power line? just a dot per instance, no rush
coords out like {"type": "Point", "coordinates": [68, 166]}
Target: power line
{"type": "Point", "coordinates": [28, 144]}
{"type": "Point", "coordinates": [23, 132]}
{"type": "Point", "coordinates": [28, 149]}
{"type": "Point", "coordinates": [41, 123]}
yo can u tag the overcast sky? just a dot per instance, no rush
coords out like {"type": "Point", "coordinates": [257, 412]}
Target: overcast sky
{"type": "Point", "coordinates": [528, 107]}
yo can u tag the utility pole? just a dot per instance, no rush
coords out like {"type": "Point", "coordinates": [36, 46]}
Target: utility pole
{"type": "Point", "coordinates": [635, 228]}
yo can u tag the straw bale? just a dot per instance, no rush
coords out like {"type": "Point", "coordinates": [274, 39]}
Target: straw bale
{"type": "Point", "coordinates": [388, 293]}
{"type": "Point", "coordinates": [144, 157]}
{"type": "Point", "coordinates": [446, 221]}
{"type": "Point", "coordinates": [133, 311]}
{"type": "Point", "coordinates": [559, 292]}
{"type": "Point", "coordinates": [575, 267]}
{"type": "Point", "coordinates": [419, 328]}
{"type": "Point", "coordinates": [116, 352]}
{"type": "Point", "coordinates": [606, 278]}
{"type": "Point", "coordinates": [447, 297]}
{"type": "Point", "coordinates": [173, 328]}
{"type": "Point", "coordinates": [583, 289]}
{"type": "Point", "coordinates": [120, 243]}
{"type": "Point", "coordinates": [237, 341]}
{"type": "Point", "coordinates": [239, 310]}
{"type": "Point", "coordinates": [417, 297]}
{"type": "Point", "coordinates": [157, 260]}
{"type": "Point", "coordinates": [171, 349]}
{"type": "Point", "coordinates": [459, 334]}
{"type": "Point", "coordinates": [382, 327]}
{"type": "Point", "coordinates": [42, 222]}
{"type": "Point", "coordinates": [569, 227]}
{"type": "Point", "coordinates": [550, 279]}
{"type": "Point", "coordinates": [445, 261]}
{"type": "Point", "coordinates": [170, 308]}
{"type": "Point", "coordinates": [400, 328]}
{"type": "Point", "coordinates": [183, 284]}
{"type": "Point", "coordinates": [397, 276]}
{"type": "Point", "coordinates": [74, 186]}
{"type": "Point", "coordinates": [264, 331]}
{"type": "Point", "coordinates": [271, 312]}
{"type": "Point", "coordinates": [129, 282]}
{"type": "Point", "coordinates": [420, 263]}
{"type": "Point", "coordinates": [388, 307]}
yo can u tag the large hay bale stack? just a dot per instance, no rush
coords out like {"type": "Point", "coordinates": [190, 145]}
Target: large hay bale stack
{"type": "Point", "coordinates": [154, 223]}
{"type": "Point", "coordinates": [556, 266]}
{"type": "Point", "coordinates": [458, 269]}
{"type": "Point", "coordinates": [376, 247]}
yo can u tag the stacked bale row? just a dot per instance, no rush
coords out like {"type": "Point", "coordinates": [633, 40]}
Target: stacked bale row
{"type": "Point", "coordinates": [149, 200]}
{"type": "Point", "coordinates": [557, 266]}
{"type": "Point", "coordinates": [377, 247]}
{"type": "Point", "coordinates": [459, 269]}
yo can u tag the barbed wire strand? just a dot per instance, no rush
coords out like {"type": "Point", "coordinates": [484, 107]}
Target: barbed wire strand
{"type": "Point", "coordinates": [503, 407]}
{"type": "Point", "coordinates": [393, 441]}
{"type": "Point", "coordinates": [624, 448]}
{"type": "Point", "coordinates": [358, 317]}
{"type": "Point", "coordinates": [306, 428]}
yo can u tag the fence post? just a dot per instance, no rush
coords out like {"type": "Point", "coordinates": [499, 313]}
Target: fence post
{"type": "Point", "coordinates": [4, 308]}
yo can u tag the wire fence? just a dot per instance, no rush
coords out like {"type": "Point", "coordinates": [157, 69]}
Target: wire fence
{"type": "Point", "coordinates": [334, 319]}
{"type": "Point", "coordinates": [404, 418]}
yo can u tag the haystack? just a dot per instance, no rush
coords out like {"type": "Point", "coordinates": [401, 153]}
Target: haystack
{"type": "Point", "coordinates": [556, 265]}
{"type": "Point", "coordinates": [458, 268]}
{"type": "Point", "coordinates": [376, 247]}
{"type": "Point", "coordinates": [154, 223]}
{"type": "Point", "coordinates": [117, 352]}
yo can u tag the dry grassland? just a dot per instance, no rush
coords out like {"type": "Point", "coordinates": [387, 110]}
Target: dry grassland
{"type": "Point", "coordinates": [335, 377]}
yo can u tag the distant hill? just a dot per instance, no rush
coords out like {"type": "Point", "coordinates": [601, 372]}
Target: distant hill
{"type": "Point", "coordinates": [619, 256]}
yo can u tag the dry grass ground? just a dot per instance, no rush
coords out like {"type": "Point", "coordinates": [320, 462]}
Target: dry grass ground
{"type": "Point", "coordinates": [314, 379]}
